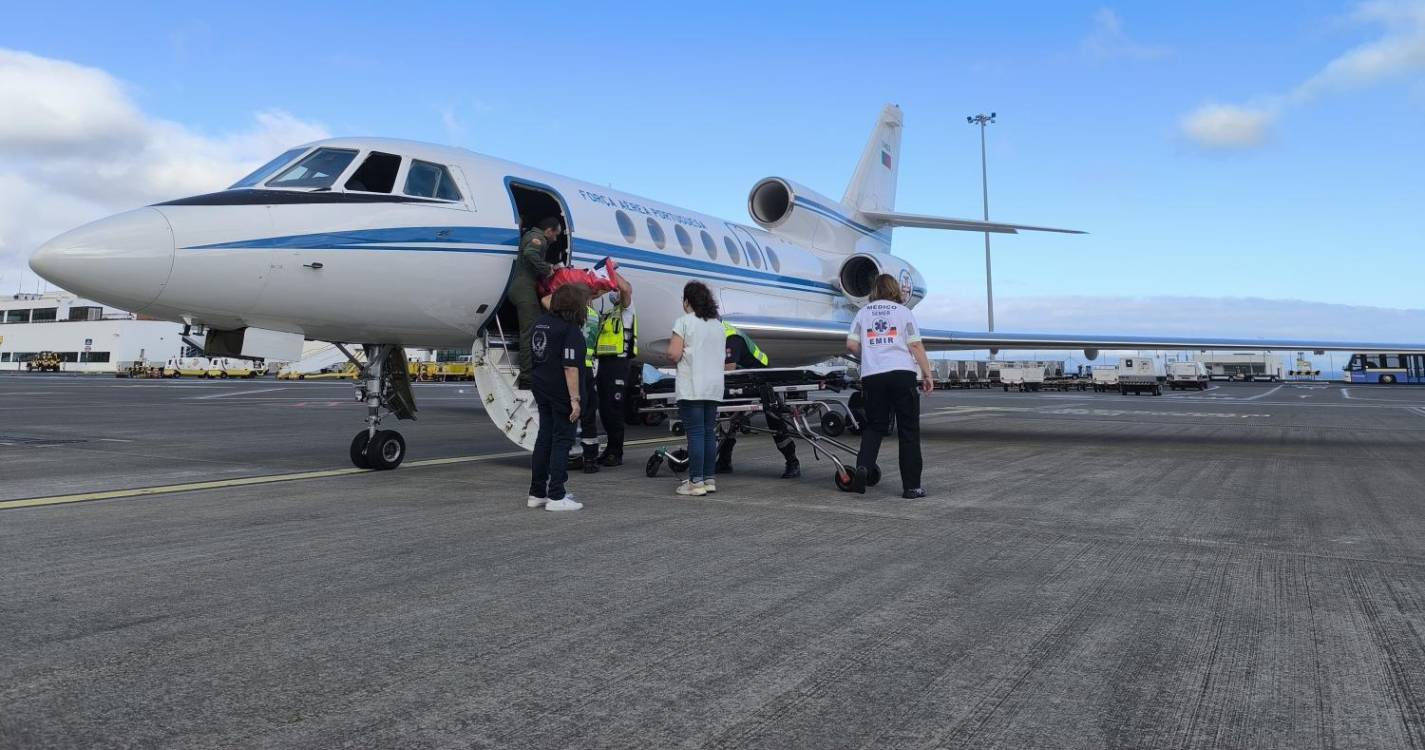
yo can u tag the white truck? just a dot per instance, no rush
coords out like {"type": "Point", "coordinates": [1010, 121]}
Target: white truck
{"type": "Point", "coordinates": [1139, 375]}
{"type": "Point", "coordinates": [1023, 378]}
{"type": "Point", "coordinates": [1187, 375]}
{"type": "Point", "coordinates": [1105, 378]}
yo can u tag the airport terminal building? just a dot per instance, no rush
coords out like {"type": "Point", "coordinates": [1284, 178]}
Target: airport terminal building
{"type": "Point", "coordinates": [87, 336]}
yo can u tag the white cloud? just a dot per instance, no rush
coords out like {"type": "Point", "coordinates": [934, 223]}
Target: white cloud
{"type": "Point", "coordinates": [1109, 40]}
{"type": "Point", "coordinates": [1399, 50]}
{"type": "Point", "coordinates": [74, 146]}
{"type": "Point", "coordinates": [1226, 126]}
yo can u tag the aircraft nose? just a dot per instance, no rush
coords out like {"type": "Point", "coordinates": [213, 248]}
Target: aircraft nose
{"type": "Point", "coordinates": [123, 261]}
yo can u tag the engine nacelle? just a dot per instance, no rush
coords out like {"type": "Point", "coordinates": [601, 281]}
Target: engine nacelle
{"type": "Point", "coordinates": [858, 273]}
{"type": "Point", "coordinates": [808, 217]}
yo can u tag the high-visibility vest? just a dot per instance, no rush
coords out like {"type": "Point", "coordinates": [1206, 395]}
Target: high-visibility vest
{"type": "Point", "coordinates": [613, 337]}
{"type": "Point", "coordinates": [590, 329]}
{"type": "Point", "coordinates": [757, 353]}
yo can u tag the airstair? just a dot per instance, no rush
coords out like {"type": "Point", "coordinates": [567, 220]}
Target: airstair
{"type": "Point", "coordinates": [496, 374]}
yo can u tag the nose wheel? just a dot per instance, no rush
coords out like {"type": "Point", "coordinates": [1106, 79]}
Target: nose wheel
{"type": "Point", "coordinates": [383, 387]}
{"type": "Point", "coordinates": [383, 452]}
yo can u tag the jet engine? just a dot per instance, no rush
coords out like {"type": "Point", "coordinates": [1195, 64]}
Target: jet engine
{"type": "Point", "coordinates": [804, 216]}
{"type": "Point", "coordinates": [858, 273]}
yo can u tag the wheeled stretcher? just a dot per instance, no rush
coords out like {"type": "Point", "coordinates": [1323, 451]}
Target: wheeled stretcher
{"type": "Point", "coordinates": [805, 400]}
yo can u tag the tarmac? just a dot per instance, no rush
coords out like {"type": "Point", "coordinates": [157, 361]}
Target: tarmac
{"type": "Point", "coordinates": [195, 564]}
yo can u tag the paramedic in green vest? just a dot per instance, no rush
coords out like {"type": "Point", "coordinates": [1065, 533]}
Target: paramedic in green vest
{"type": "Point", "coordinates": [588, 418]}
{"type": "Point", "coordinates": [742, 353]}
{"type": "Point", "coordinates": [531, 267]}
{"type": "Point", "coordinates": [616, 348]}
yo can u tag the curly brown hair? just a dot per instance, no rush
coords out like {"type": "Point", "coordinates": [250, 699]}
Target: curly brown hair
{"type": "Point", "coordinates": [700, 299]}
{"type": "Point", "coordinates": [887, 289]}
{"type": "Point", "coordinates": [571, 302]}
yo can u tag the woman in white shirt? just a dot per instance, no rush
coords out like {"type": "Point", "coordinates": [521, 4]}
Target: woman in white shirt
{"type": "Point", "coordinates": [698, 348]}
{"type": "Point", "coordinates": [887, 339]}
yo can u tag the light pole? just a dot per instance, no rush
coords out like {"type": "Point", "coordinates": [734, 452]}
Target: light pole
{"type": "Point", "coordinates": [982, 120]}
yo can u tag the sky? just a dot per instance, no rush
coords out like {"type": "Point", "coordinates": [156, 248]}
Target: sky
{"type": "Point", "coordinates": [1242, 168]}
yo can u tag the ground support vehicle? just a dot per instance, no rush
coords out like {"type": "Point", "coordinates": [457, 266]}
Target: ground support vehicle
{"type": "Point", "coordinates": [1183, 376]}
{"type": "Point", "coordinates": [1104, 378]}
{"type": "Point", "coordinates": [191, 367]}
{"type": "Point", "coordinates": [43, 362]}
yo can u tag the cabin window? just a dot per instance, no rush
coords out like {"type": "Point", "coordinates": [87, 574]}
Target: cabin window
{"type": "Point", "coordinates": [753, 257]}
{"type": "Point", "coordinates": [266, 170]}
{"type": "Point", "coordinates": [684, 240]}
{"type": "Point", "coordinates": [732, 253]}
{"type": "Point", "coordinates": [375, 175]}
{"type": "Point", "coordinates": [709, 246]}
{"type": "Point", "coordinates": [317, 171]}
{"type": "Point", "coordinates": [655, 231]}
{"type": "Point", "coordinates": [428, 180]}
{"type": "Point", "coordinates": [625, 227]}
{"type": "Point", "coordinates": [772, 260]}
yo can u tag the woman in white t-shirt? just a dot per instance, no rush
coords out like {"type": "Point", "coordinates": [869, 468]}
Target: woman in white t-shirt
{"type": "Point", "coordinates": [698, 347]}
{"type": "Point", "coordinates": [887, 339]}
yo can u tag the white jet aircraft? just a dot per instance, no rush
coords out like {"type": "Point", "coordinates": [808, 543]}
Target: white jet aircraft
{"type": "Point", "coordinates": [391, 244]}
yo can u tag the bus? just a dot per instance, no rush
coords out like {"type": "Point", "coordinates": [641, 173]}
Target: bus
{"type": "Point", "coordinates": [1386, 368]}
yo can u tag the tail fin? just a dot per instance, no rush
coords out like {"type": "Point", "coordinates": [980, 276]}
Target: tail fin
{"type": "Point", "coordinates": [873, 185]}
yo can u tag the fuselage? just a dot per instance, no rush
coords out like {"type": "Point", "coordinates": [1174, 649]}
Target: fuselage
{"type": "Point", "coordinates": [353, 265]}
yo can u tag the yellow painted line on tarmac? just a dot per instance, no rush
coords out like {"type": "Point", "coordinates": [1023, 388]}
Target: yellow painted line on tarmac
{"type": "Point", "coordinates": [216, 484]}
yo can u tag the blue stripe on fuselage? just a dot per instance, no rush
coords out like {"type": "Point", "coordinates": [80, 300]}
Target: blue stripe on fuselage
{"type": "Point", "coordinates": [426, 239]}
{"type": "Point", "coordinates": [836, 216]}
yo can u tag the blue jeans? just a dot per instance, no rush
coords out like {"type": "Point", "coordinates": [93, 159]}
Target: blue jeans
{"type": "Point", "coordinates": [549, 466]}
{"type": "Point", "coordinates": [700, 424]}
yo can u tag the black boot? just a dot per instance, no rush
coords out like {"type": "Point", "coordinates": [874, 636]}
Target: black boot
{"type": "Point", "coordinates": [590, 460]}
{"type": "Point", "coordinates": [611, 459]}
{"type": "Point", "coordinates": [794, 470]}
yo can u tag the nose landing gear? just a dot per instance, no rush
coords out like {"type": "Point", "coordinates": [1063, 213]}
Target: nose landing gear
{"type": "Point", "coordinates": [383, 384]}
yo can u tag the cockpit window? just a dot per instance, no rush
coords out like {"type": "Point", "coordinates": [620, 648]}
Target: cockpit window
{"type": "Point", "coordinates": [429, 180]}
{"type": "Point", "coordinates": [317, 171]}
{"type": "Point", "coordinates": [375, 175]}
{"type": "Point", "coordinates": [266, 170]}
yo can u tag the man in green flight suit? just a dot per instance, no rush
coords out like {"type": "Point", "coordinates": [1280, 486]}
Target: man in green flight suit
{"type": "Point", "coordinates": [531, 267]}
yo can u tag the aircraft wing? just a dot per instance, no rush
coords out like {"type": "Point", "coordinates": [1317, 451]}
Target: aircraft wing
{"type": "Point", "coordinates": [790, 329]}
{"type": "Point", "coordinates": [922, 221]}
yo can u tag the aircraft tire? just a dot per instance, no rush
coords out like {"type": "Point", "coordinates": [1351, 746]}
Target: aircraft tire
{"type": "Point", "coordinates": [386, 450]}
{"type": "Point", "coordinates": [358, 451]}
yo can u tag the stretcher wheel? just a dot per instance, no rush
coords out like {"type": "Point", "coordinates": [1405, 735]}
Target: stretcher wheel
{"type": "Point", "coordinates": [678, 460]}
{"type": "Point", "coordinates": [843, 480]}
{"type": "Point", "coordinates": [655, 462]}
{"type": "Point", "coordinates": [677, 428]}
{"type": "Point", "coordinates": [873, 476]}
{"type": "Point", "coordinates": [833, 424]}
{"type": "Point", "coordinates": [653, 419]}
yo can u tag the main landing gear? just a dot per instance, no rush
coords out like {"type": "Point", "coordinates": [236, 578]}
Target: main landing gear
{"type": "Point", "coordinates": [383, 383]}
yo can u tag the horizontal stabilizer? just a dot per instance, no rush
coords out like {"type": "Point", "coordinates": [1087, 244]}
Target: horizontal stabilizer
{"type": "Point", "coordinates": [921, 221]}
{"type": "Point", "coordinates": [831, 332]}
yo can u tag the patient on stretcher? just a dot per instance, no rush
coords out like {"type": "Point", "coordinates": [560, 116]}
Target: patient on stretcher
{"type": "Point", "coordinates": [603, 277]}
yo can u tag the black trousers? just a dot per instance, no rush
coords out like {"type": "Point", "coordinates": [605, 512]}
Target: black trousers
{"type": "Point", "coordinates": [589, 415]}
{"type": "Point", "coordinates": [893, 393]}
{"type": "Point", "coordinates": [781, 437]}
{"type": "Point", "coordinates": [612, 385]}
{"type": "Point", "coordinates": [549, 466]}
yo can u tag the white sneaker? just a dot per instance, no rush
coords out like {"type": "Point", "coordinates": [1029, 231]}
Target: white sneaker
{"type": "Point", "coordinates": [536, 502]}
{"type": "Point", "coordinates": [710, 485]}
{"type": "Point", "coordinates": [689, 488]}
{"type": "Point", "coordinates": [566, 503]}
